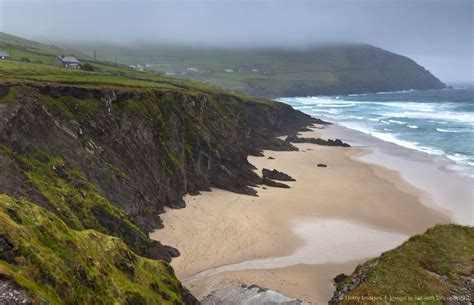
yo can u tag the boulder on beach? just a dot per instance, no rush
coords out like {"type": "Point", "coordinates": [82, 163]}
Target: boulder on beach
{"type": "Point", "coordinates": [272, 183]}
{"type": "Point", "coordinates": [276, 175]}
{"type": "Point", "coordinates": [317, 141]}
{"type": "Point", "coordinates": [340, 278]}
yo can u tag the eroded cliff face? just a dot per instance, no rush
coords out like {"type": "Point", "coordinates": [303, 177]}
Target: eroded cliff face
{"type": "Point", "coordinates": [112, 159]}
{"type": "Point", "coordinates": [143, 150]}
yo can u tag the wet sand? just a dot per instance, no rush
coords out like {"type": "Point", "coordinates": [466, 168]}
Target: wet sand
{"type": "Point", "coordinates": [296, 240]}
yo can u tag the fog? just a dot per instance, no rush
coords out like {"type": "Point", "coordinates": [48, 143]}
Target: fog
{"type": "Point", "coordinates": [437, 34]}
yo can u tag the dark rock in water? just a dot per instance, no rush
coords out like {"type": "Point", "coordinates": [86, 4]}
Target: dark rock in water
{"type": "Point", "coordinates": [318, 141]}
{"type": "Point", "coordinates": [248, 295]}
{"type": "Point", "coordinates": [322, 165]}
{"type": "Point", "coordinates": [271, 158]}
{"type": "Point", "coordinates": [276, 175]}
{"type": "Point", "coordinates": [272, 183]}
{"type": "Point", "coordinates": [340, 278]}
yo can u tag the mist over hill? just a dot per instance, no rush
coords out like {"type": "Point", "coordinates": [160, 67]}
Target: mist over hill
{"type": "Point", "coordinates": [325, 69]}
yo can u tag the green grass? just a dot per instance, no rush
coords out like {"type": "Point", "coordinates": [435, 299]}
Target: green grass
{"type": "Point", "coordinates": [331, 69]}
{"type": "Point", "coordinates": [277, 68]}
{"type": "Point", "coordinates": [423, 270]}
{"type": "Point", "coordinates": [75, 200]}
{"type": "Point", "coordinates": [58, 265]}
{"type": "Point", "coordinates": [108, 75]}
{"type": "Point", "coordinates": [19, 71]}
{"type": "Point", "coordinates": [111, 77]}
{"type": "Point", "coordinates": [13, 44]}
{"type": "Point", "coordinates": [35, 57]}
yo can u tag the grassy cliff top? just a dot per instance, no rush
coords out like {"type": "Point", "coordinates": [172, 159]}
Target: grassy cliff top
{"type": "Point", "coordinates": [432, 268]}
{"type": "Point", "coordinates": [32, 62]}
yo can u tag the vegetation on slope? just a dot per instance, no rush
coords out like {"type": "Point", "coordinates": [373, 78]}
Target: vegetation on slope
{"type": "Point", "coordinates": [436, 267]}
{"type": "Point", "coordinates": [24, 49]}
{"type": "Point", "coordinates": [58, 265]}
{"type": "Point", "coordinates": [332, 69]}
{"type": "Point", "coordinates": [327, 70]}
{"type": "Point", "coordinates": [78, 202]}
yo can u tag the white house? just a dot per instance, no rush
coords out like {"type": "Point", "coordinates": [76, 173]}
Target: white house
{"type": "Point", "coordinates": [69, 62]}
{"type": "Point", "coordinates": [136, 67]}
{"type": "Point", "coordinates": [4, 55]}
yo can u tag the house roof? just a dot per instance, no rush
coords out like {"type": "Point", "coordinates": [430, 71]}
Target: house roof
{"type": "Point", "coordinates": [4, 54]}
{"type": "Point", "coordinates": [69, 59]}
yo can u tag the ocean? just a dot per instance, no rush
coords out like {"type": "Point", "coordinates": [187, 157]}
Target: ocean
{"type": "Point", "coordinates": [436, 122]}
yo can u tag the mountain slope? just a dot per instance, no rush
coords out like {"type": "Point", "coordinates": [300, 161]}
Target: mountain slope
{"type": "Point", "coordinates": [323, 70]}
{"type": "Point", "coordinates": [20, 48]}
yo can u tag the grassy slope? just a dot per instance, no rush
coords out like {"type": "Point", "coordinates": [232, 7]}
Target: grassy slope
{"type": "Point", "coordinates": [110, 76]}
{"type": "Point", "coordinates": [22, 48]}
{"type": "Point", "coordinates": [352, 67]}
{"type": "Point", "coordinates": [424, 270]}
{"type": "Point", "coordinates": [337, 69]}
{"type": "Point", "coordinates": [58, 265]}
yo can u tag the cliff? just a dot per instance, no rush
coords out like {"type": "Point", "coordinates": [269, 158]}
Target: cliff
{"type": "Point", "coordinates": [109, 160]}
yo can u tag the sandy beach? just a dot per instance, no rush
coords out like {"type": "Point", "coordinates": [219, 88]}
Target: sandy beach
{"type": "Point", "coordinates": [296, 240]}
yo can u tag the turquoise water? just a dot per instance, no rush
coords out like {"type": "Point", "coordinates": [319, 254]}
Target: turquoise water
{"type": "Point", "coordinates": [436, 122]}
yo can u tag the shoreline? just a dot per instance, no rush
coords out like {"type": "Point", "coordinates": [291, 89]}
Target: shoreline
{"type": "Point", "coordinates": [441, 188]}
{"type": "Point", "coordinates": [255, 240]}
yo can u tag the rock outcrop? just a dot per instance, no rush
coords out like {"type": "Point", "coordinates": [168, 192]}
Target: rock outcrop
{"type": "Point", "coordinates": [269, 182]}
{"type": "Point", "coordinates": [276, 175]}
{"type": "Point", "coordinates": [12, 294]}
{"type": "Point", "coordinates": [318, 141]}
{"type": "Point", "coordinates": [248, 295]}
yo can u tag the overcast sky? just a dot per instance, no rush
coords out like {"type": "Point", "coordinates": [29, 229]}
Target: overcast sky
{"type": "Point", "coordinates": [438, 34]}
